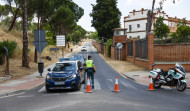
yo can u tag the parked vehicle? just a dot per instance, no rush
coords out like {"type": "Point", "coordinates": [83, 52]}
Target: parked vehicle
{"type": "Point", "coordinates": [83, 48]}
{"type": "Point", "coordinates": [175, 77]}
{"type": "Point", "coordinates": [64, 75]}
{"type": "Point", "coordinates": [79, 57]}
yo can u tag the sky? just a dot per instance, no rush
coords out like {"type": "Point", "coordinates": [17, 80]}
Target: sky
{"type": "Point", "coordinates": [180, 9]}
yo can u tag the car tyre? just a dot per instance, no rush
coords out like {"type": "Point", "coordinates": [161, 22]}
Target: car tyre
{"type": "Point", "coordinates": [47, 88]}
{"type": "Point", "coordinates": [78, 86]}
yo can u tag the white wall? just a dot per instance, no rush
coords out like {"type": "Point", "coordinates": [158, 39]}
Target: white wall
{"type": "Point", "coordinates": [135, 35]}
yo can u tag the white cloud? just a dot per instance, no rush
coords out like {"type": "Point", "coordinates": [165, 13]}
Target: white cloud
{"type": "Point", "coordinates": [129, 2]}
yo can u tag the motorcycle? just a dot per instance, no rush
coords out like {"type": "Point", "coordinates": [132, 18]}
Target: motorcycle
{"type": "Point", "coordinates": [175, 77]}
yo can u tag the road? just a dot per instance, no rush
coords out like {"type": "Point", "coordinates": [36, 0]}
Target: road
{"type": "Point", "coordinates": [133, 96]}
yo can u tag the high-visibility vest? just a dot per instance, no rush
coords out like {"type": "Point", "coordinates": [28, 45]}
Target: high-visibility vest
{"type": "Point", "coordinates": [89, 63]}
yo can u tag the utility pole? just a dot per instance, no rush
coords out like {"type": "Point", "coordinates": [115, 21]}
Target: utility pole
{"type": "Point", "coordinates": [25, 58]}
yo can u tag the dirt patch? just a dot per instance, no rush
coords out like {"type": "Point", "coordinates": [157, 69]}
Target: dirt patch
{"type": "Point", "coordinates": [122, 66]}
{"type": "Point", "coordinates": [17, 71]}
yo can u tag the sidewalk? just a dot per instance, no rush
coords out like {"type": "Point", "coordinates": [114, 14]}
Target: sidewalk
{"type": "Point", "coordinates": [26, 83]}
{"type": "Point", "coordinates": [142, 77]}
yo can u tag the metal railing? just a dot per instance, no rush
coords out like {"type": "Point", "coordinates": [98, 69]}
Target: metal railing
{"type": "Point", "coordinates": [141, 48]}
{"type": "Point", "coordinates": [130, 48]}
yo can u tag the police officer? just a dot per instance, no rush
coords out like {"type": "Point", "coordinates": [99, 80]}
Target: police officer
{"type": "Point", "coordinates": [90, 69]}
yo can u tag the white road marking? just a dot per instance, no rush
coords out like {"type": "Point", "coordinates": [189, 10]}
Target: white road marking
{"type": "Point", "coordinates": [76, 93]}
{"type": "Point", "coordinates": [56, 94]}
{"type": "Point", "coordinates": [97, 84]}
{"type": "Point", "coordinates": [25, 96]}
{"type": "Point", "coordinates": [110, 83]}
{"type": "Point", "coordinates": [127, 85]}
{"type": "Point", "coordinates": [42, 89]}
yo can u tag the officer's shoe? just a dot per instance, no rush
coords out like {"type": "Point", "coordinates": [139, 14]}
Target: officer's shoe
{"type": "Point", "coordinates": [92, 86]}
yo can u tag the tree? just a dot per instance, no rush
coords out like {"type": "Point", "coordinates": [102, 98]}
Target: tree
{"type": "Point", "coordinates": [106, 17]}
{"type": "Point", "coordinates": [25, 58]}
{"type": "Point", "coordinates": [78, 34]}
{"type": "Point", "coordinates": [182, 35]}
{"type": "Point", "coordinates": [161, 30]}
{"type": "Point", "coordinates": [150, 14]}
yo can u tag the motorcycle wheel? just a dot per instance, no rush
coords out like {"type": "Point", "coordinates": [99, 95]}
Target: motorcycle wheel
{"type": "Point", "coordinates": [181, 87]}
{"type": "Point", "coordinates": [156, 85]}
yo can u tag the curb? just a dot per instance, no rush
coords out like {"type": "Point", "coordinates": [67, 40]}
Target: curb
{"type": "Point", "coordinates": [129, 77]}
{"type": "Point", "coordinates": [12, 93]}
{"type": "Point", "coordinates": [5, 78]}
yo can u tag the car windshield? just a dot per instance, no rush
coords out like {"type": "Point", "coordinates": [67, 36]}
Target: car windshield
{"type": "Point", "coordinates": [83, 47]}
{"type": "Point", "coordinates": [64, 67]}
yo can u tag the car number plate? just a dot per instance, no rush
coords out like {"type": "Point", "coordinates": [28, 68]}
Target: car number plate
{"type": "Point", "coordinates": [59, 83]}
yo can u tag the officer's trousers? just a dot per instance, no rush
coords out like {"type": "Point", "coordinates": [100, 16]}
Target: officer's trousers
{"type": "Point", "coordinates": [90, 75]}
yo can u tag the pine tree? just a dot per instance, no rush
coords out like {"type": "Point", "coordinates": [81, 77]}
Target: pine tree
{"type": "Point", "coordinates": [106, 17]}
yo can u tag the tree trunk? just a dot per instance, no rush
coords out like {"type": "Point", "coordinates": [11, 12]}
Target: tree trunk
{"type": "Point", "coordinates": [150, 18]}
{"type": "Point", "coordinates": [25, 58]}
{"type": "Point", "coordinates": [14, 19]}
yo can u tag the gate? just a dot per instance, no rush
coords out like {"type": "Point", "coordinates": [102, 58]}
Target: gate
{"type": "Point", "coordinates": [141, 48]}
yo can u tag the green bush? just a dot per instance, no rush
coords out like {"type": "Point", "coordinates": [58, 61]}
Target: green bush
{"type": "Point", "coordinates": [108, 47]}
{"type": "Point", "coordinates": [11, 45]}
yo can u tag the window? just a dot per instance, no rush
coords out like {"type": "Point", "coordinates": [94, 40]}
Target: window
{"type": "Point", "coordinates": [173, 24]}
{"type": "Point", "coordinates": [138, 25]}
{"type": "Point", "coordinates": [116, 32]}
{"type": "Point", "coordinates": [130, 28]}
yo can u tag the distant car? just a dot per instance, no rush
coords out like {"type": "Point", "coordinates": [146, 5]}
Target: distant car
{"type": "Point", "coordinates": [64, 75]}
{"type": "Point", "coordinates": [83, 48]}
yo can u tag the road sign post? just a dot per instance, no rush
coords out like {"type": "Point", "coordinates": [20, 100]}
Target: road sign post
{"type": "Point", "coordinates": [39, 43]}
{"type": "Point", "coordinates": [119, 46]}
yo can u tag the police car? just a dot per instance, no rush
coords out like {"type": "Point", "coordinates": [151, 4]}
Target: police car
{"type": "Point", "coordinates": [65, 75]}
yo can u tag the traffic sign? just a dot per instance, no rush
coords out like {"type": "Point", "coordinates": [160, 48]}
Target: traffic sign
{"type": "Point", "coordinates": [42, 46]}
{"type": "Point", "coordinates": [39, 40]}
{"type": "Point", "coordinates": [60, 40]}
{"type": "Point", "coordinates": [119, 45]}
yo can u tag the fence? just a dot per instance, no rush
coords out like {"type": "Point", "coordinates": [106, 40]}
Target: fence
{"type": "Point", "coordinates": [142, 48]}
{"type": "Point", "coordinates": [172, 53]}
{"type": "Point", "coordinates": [130, 48]}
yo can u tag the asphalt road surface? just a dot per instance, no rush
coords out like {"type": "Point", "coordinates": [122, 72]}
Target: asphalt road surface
{"type": "Point", "coordinates": [133, 96]}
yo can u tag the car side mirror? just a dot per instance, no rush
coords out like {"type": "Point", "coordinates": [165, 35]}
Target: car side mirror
{"type": "Point", "coordinates": [49, 69]}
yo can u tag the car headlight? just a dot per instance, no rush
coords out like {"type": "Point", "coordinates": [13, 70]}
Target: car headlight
{"type": "Point", "coordinates": [48, 77]}
{"type": "Point", "coordinates": [73, 76]}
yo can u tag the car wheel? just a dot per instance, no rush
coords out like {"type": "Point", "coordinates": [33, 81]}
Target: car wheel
{"type": "Point", "coordinates": [78, 86]}
{"type": "Point", "coordinates": [47, 88]}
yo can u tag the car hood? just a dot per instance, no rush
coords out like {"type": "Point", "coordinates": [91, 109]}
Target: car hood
{"type": "Point", "coordinates": [61, 73]}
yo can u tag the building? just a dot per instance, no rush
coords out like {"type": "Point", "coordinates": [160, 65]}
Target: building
{"type": "Point", "coordinates": [136, 21]}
